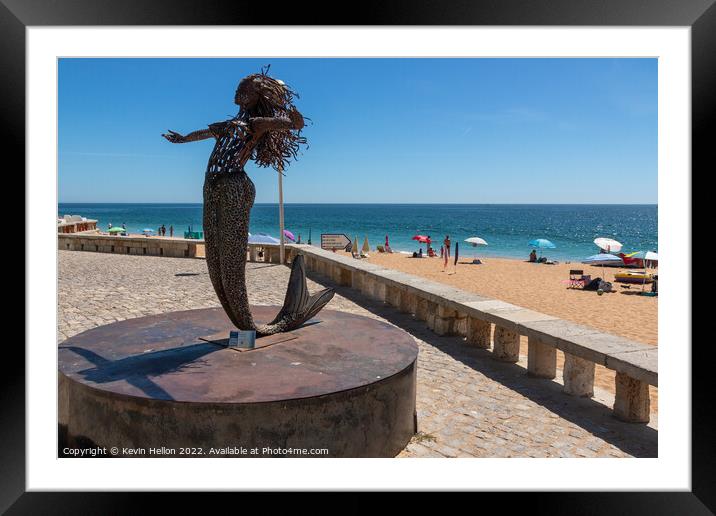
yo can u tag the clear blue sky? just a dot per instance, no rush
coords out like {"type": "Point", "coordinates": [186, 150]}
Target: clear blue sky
{"type": "Point", "coordinates": [383, 130]}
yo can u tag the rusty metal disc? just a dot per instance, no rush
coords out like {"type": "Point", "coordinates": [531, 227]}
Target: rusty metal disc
{"type": "Point", "coordinates": [167, 357]}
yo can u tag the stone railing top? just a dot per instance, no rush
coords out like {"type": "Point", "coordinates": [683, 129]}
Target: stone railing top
{"type": "Point", "coordinates": [635, 359]}
{"type": "Point", "coordinates": [133, 238]}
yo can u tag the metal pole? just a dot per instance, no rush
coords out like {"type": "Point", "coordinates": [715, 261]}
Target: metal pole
{"type": "Point", "coordinates": [282, 253]}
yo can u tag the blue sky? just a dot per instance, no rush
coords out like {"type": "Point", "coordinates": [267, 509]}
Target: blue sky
{"type": "Point", "coordinates": [383, 130]}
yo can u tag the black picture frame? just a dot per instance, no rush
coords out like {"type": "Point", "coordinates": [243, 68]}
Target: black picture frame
{"type": "Point", "coordinates": [700, 15]}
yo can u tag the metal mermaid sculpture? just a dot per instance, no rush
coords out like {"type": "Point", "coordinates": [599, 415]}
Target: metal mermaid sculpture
{"type": "Point", "coordinates": [267, 131]}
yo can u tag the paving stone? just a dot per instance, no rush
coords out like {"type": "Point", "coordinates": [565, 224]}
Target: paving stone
{"type": "Point", "coordinates": [471, 405]}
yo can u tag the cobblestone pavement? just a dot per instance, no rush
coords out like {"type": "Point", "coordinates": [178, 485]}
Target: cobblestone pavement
{"type": "Point", "coordinates": [468, 404]}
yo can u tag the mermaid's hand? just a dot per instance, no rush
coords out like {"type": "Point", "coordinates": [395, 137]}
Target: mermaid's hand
{"type": "Point", "coordinates": [174, 137]}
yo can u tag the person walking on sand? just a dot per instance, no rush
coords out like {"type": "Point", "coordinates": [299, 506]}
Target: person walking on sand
{"type": "Point", "coordinates": [171, 231]}
{"type": "Point", "coordinates": [446, 254]}
{"type": "Point", "coordinates": [164, 230]}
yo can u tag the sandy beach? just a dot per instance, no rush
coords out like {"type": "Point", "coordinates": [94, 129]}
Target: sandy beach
{"type": "Point", "coordinates": [543, 288]}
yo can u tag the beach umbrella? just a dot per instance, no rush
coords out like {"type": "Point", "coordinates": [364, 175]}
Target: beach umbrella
{"type": "Point", "coordinates": [602, 259]}
{"type": "Point", "coordinates": [456, 254]}
{"type": "Point", "coordinates": [650, 256]}
{"type": "Point", "coordinates": [608, 244]}
{"type": "Point", "coordinates": [542, 243]}
{"type": "Point", "coordinates": [386, 241]}
{"type": "Point", "coordinates": [289, 235]}
{"type": "Point", "coordinates": [263, 238]}
{"type": "Point", "coordinates": [475, 241]}
{"type": "Point", "coordinates": [366, 247]}
{"type": "Point", "coordinates": [117, 230]}
{"type": "Point", "coordinates": [422, 239]}
{"type": "Point", "coordinates": [645, 256]}
{"type": "Point", "coordinates": [354, 246]}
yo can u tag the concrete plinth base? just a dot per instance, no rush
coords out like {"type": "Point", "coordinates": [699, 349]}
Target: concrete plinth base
{"type": "Point", "coordinates": [342, 383]}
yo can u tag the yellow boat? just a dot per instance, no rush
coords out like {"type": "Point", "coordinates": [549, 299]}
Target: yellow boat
{"type": "Point", "coordinates": [634, 277]}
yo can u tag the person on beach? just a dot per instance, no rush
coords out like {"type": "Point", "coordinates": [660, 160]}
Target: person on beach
{"type": "Point", "coordinates": [171, 231]}
{"type": "Point", "coordinates": [533, 256]}
{"type": "Point", "coordinates": [446, 254]}
{"type": "Point", "coordinates": [109, 226]}
{"type": "Point", "coordinates": [164, 230]}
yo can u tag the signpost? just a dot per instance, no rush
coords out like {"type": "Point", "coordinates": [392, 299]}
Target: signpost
{"type": "Point", "coordinates": [282, 251]}
{"type": "Point", "coordinates": [333, 241]}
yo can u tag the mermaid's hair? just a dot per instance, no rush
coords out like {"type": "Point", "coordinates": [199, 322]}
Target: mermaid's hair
{"type": "Point", "coordinates": [275, 148]}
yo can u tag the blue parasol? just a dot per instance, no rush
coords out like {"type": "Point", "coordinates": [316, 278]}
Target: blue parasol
{"type": "Point", "coordinates": [263, 238]}
{"type": "Point", "coordinates": [542, 243]}
{"type": "Point", "coordinates": [602, 259]}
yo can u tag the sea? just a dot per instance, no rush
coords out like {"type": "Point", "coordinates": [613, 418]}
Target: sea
{"type": "Point", "coordinates": [507, 228]}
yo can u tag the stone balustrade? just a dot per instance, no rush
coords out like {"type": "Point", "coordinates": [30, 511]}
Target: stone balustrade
{"type": "Point", "coordinates": [451, 311]}
{"type": "Point", "coordinates": [139, 245]}
{"type": "Point", "coordinates": [484, 323]}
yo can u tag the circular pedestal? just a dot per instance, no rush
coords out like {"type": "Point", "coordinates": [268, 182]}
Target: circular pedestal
{"type": "Point", "coordinates": [166, 385]}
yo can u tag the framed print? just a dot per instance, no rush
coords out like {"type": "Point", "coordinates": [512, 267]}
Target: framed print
{"type": "Point", "coordinates": [493, 182]}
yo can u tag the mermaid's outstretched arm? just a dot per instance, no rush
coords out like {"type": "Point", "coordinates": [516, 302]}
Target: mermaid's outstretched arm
{"type": "Point", "coordinates": [263, 124]}
{"type": "Point", "coordinates": [201, 134]}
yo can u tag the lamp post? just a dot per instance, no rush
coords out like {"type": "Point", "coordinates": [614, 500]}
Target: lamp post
{"type": "Point", "coordinates": [282, 252]}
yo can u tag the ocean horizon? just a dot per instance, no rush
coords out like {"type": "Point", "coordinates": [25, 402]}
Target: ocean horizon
{"type": "Point", "coordinates": [506, 227]}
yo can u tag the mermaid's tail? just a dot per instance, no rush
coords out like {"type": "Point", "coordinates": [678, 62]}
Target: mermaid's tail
{"type": "Point", "coordinates": [298, 306]}
{"type": "Point", "coordinates": [227, 205]}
